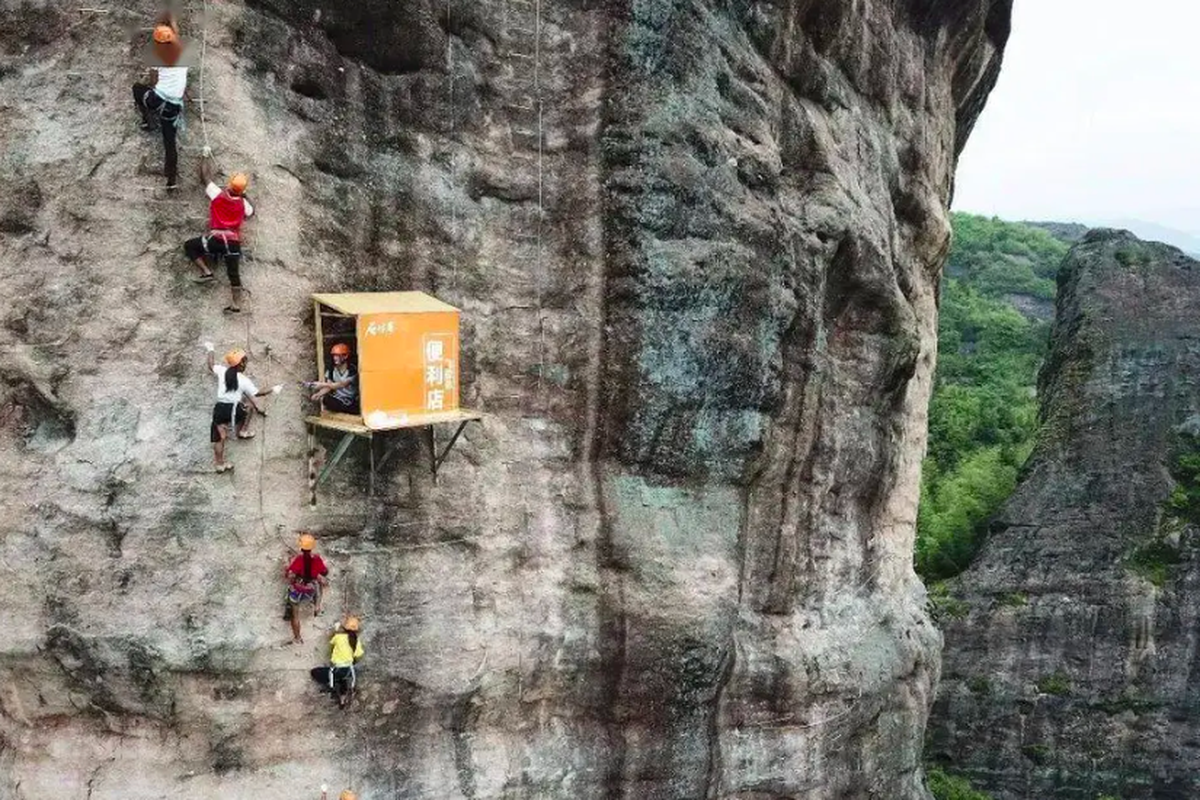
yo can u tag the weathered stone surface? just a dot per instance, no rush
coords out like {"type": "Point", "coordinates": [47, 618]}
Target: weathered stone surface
{"type": "Point", "coordinates": [674, 562]}
{"type": "Point", "coordinates": [1069, 669]}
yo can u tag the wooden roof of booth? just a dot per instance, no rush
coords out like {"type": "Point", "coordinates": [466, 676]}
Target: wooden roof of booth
{"type": "Point", "coordinates": [357, 303]}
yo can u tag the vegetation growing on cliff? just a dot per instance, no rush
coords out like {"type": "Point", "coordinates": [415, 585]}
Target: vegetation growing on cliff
{"type": "Point", "coordinates": [1184, 502]}
{"type": "Point", "coordinates": [1000, 258]}
{"type": "Point", "coordinates": [1154, 559]}
{"type": "Point", "coordinates": [944, 786]}
{"type": "Point", "coordinates": [983, 413]}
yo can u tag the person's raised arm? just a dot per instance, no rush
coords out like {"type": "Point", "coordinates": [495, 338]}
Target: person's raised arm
{"type": "Point", "coordinates": [209, 357]}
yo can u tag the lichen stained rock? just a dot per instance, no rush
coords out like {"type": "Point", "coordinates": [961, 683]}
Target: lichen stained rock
{"type": "Point", "coordinates": [1070, 656]}
{"type": "Point", "coordinates": [696, 245]}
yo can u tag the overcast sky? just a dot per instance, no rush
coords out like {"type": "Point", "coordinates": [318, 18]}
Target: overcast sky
{"type": "Point", "coordinates": [1096, 116]}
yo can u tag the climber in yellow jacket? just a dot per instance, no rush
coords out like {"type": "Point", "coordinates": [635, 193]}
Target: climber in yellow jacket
{"type": "Point", "coordinates": [345, 650]}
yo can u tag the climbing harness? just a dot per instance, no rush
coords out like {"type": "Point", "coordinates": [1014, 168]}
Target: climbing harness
{"type": "Point", "coordinates": [178, 118]}
{"type": "Point", "coordinates": [346, 670]}
{"type": "Point", "coordinates": [233, 246]}
{"type": "Point", "coordinates": [303, 592]}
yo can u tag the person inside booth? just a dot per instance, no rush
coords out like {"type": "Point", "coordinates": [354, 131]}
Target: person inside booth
{"type": "Point", "coordinates": [339, 391]}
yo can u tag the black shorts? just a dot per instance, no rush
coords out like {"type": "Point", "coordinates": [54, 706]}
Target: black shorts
{"type": "Point", "coordinates": [331, 403]}
{"type": "Point", "coordinates": [225, 414]}
{"type": "Point", "coordinates": [218, 247]}
{"type": "Point", "coordinates": [335, 679]}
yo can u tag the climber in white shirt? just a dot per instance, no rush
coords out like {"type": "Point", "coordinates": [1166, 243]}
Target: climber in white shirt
{"type": "Point", "coordinates": [161, 97]}
{"type": "Point", "coordinates": [235, 400]}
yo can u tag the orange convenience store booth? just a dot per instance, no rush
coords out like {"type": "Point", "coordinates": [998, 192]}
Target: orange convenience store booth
{"type": "Point", "coordinates": [406, 349]}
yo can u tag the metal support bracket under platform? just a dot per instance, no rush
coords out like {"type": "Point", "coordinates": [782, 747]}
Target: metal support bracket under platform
{"type": "Point", "coordinates": [351, 427]}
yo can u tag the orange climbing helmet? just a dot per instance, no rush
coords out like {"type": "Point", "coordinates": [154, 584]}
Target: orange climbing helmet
{"type": "Point", "coordinates": [235, 357]}
{"type": "Point", "coordinates": [238, 183]}
{"type": "Point", "coordinates": [307, 541]}
{"type": "Point", "coordinates": [165, 34]}
{"type": "Point", "coordinates": [351, 624]}
{"type": "Point", "coordinates": [339, 350]}
{"type": "Point", "coordinates": [347, 795]}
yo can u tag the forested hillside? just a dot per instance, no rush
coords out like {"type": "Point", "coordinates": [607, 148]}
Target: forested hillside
{"type": "Point", "coordinates": [996, 306]}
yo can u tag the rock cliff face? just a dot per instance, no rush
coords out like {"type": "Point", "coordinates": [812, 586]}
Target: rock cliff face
{"type": "Point", "coordinates": [1070, 664]}
{"type": "Point", "coordinates": [696, 244]}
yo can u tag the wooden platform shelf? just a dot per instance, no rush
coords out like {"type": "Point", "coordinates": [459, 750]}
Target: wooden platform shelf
{"type": "Point", "coordinates": [352, 427]}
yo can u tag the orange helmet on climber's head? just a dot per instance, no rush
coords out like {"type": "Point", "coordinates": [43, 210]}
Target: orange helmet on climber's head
{"type": "Point", "coordinates": [238, 183]}
{"type": "Point", "coordinates": [165, 34]}
{"type": "Point", "coordinates": [351, 624]}
{"type": "Point", "coordinates": [340, 350]}
{"type": "Point", "coordinates": [307, 541]}
{"type": "Point", "coordinates": [347, 795]}
{"type": "Point", "coordinates": [235, 357]}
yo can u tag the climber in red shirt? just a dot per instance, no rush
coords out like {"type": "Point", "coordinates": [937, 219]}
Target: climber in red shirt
{"type": "Point", "coordinates": [227, 210]}
{"type": "Point", "coordinates": [306, 577]}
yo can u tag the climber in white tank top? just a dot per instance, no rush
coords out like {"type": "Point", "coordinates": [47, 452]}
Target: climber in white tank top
{"type": "Point", "coordinates": [160, 99]}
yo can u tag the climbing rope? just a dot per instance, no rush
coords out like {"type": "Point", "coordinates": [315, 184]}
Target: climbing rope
{"type": "Point", "coordinates": [203, 60]}
{"type": "Point", "coordinates": [537, 88]}
{"type": "Point", "coordinates": [453, 167]}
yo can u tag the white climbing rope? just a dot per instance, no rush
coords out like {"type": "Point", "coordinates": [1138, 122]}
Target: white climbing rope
{"type": "Point", "coordinates": [537, 89]}
{"type": "Point", "coordinates": [203, 59]}
{"type": "Point", "coordinates": [453, 169]}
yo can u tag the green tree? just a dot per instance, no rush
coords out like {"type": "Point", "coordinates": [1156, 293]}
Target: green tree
{"type": "Point", "coordinates": [983, 413]}
{"type": "Point", "coordinates": [999, 258]}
